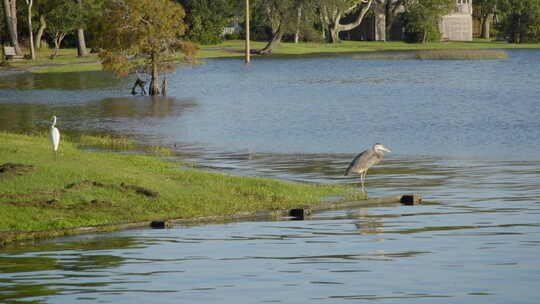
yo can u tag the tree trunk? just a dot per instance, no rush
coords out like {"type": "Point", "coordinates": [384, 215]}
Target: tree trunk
{"type": "Point", "coordinates": [388, 28]}
{"type": "Point", "coordinates": [56, 48]}
{"type": "Point", "coordinates": [298, 23]}
{"type": "Point", "coordinates": [58, 37]}
{"type": "Point", "coordinates": [333, 29]}
{"type": "Point", "coordinates": [29, 3]}
{"type": "Point", "coordinates": [141, 84]}
{"type": "Point", "coordinates": [337, 27]}
{"type": "Point", "coordinates": [276, 39]}
{"type": "Point", "coordinates": [389, 18]}
{"type": "Point", "coordinates": [323, 25]}
{"type": "Point", "coordinates": [10, 10]}
{"type": "Point", "coordinates": [333, 34]}
{"type": "Point", "coordinates": [164, 87]}
{"type": "Point", "coordinates": [517, 35]}
{"type": "Point", "coordinates": [380, 22]}
{"type": "Point", "coordinates": [154, 86]}
{"type": "Point", "coordinates": [81, 44]}
{"type": "Point", "coordinates": [41, 30]}
{"type": "Point", "coordinates": [392, 9]}
{"type": "Point", "coordinates": [486, 26]}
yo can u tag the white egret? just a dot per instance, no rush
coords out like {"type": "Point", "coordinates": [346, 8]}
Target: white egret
{"type": "Point", "coordinates": [55, 137]}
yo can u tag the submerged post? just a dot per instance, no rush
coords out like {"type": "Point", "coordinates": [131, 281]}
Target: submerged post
{"type": "Point", "coordinates": [411, 199]}
{"type": "Point", "coordinates": [248, 51]}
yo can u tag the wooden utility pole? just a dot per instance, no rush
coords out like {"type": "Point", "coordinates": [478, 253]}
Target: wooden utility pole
{"type": "Point", "coordinates": [248, 51]}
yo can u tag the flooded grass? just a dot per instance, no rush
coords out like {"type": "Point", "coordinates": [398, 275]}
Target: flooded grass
{"type": "Point", "coordinates": [454, 54]}
{"type": "Point", "coordinates": [69, 68]}
{"type": "Point", "coordinates": [119, 143]}
{"type": "Point", "coordinates": [82, 188]}
{"type": "Point", "coordinates": [461, 54]}
{"type": "Point", "coordinates": [160, 151]}
{"type": "Point", "coordinates": [106, 142]}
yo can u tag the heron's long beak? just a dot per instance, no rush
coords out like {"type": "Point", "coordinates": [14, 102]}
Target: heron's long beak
{"type": "Point", "coordinates": [385, 149]}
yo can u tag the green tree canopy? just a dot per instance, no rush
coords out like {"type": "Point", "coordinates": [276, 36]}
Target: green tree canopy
{"type": "Point", "coordinates": [280, 17]}
{"type": "Point", "coordinates": [485, 11]}
{"type": "Point", "coordinates": [485, 6]}
{"type": "Point", "coordinates": [63, 17]}
{"type": "Point", "coordinates": [520, 20]}
{"type": "Point", "coordinates": [422, 18]}
{"type": "Point", "coordinates": [145, 29]}
{"type": "Point", "coordinates": [334, 11]}
{"type": "Point", "coordinates": [206, 19]}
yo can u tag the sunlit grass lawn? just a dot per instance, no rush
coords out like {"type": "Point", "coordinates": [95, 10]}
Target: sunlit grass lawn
{"type": "Point", "coordinates": [65, 55]}
{"type": "Point", "coordinates": [235, 47]}
{"type": "Point", "coordinates": [84, 188]}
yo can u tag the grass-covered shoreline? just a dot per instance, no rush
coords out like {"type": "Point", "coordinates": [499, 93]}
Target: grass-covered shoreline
{"type": "Point", "coordinates": [84, 188]}
{"type": "Point", "coordinates": [234, 48]}
{"type": "Point", "coordinates": [67, 61]}
{"type": "Point", "coordinates": [458, 54]}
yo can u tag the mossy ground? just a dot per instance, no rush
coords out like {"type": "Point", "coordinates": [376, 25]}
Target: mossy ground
{"type": "Point", "coordinates": [83, 188]}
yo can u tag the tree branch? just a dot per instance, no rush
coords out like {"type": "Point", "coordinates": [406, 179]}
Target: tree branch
{"type": "Point", "coordinates": [359, 19]}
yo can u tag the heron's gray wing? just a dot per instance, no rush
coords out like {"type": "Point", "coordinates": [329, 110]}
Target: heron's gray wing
{"type": "Point", "coordinates": [354, 162]}
{"type": "Point", "coordinates": [364, 161]}
{"type": "Point", "coordinates": [370, 159]}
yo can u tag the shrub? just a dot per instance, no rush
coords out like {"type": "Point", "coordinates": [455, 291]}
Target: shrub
{"type": "Point", "coordinates": [417, 31]}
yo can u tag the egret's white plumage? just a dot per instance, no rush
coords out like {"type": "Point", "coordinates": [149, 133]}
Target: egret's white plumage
{"type": "Point", "coordinates": [55, 135]}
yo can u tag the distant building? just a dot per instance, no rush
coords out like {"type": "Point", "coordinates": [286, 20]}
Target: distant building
{"type": "Point", "coordinates": [458, 26]}
{"type": "Point", "coordinates": [233, 27]}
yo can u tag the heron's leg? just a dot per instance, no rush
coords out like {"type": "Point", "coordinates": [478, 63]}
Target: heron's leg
{"type": "Point", "coordinates": [362, 176]}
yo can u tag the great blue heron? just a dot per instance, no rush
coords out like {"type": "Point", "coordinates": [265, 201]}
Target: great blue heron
{"type": "Point", "coordinates": [55, 137]}
{"type": "Point", "coordinates": [365, 160]}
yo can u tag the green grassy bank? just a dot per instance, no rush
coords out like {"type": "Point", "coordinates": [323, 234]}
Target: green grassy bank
{"type": "Point", "coordinates": [233, 48]}
{"type": "Point", "coordinates": [83, 188]}
{"type": "Point", "coordinates": [68, 61]}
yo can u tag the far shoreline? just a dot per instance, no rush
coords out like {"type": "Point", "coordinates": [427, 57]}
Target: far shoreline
{"type": "Point", "coordinates": [68, 61]}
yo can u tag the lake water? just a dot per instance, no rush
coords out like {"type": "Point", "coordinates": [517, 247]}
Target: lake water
{"type": "Point", "coordinates": [464, 134]}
